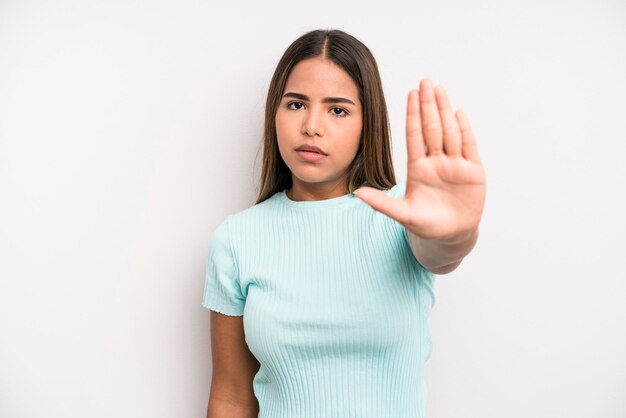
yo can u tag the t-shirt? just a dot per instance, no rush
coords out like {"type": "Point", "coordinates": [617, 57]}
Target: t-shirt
{"type": "Point", "coordinates": [335, 306]}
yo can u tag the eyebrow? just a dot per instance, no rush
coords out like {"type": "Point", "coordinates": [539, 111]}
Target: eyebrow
{"type": "Point", "coordinates": [325, 100]}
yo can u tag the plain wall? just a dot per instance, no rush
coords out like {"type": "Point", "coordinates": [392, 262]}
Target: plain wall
{"type": "Point", "coordinates": [129, 130]}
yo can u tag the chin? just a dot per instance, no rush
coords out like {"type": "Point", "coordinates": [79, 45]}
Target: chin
{"type": "Point", "coordinates": [314, 179]}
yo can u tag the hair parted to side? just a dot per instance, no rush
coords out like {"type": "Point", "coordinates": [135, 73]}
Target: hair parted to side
{"type": "Point", "coordinates": [373, 164]}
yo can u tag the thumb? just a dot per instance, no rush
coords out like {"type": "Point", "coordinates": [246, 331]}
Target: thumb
{"type": "Point", "coordinates": [382, 202]}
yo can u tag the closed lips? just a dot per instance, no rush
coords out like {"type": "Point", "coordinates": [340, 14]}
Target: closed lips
{"type": "Point", "coordinates": [311, 148]}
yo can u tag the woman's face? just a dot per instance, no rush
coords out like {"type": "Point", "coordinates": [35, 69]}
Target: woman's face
{"type": "Point", "coordinates": [320, 107]}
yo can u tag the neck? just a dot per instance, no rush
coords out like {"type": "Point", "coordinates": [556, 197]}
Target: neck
{"type": "Point", "coordinates": [308, 192]}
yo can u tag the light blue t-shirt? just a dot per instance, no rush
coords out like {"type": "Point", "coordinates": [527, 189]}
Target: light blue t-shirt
{"type": "Point", "coordinates": [335, 306]}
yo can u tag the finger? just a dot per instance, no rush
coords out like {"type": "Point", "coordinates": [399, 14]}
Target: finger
{"type": "Point", "coordinates": [414, 137]}
{"type": "Point", "coordinates": [451, 130]}
{"type": "Point", "coordinates": [397, 209]}
{"type": "Point", "coordinates": [431, 125]}
{"type": "Point", "coordinates": [470, 149]}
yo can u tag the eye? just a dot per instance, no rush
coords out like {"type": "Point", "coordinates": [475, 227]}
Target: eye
{"type": "Point", "coordinates": [294, 103]}
{"type": "Point", "coordinates": [336, 111]}
{"type": "Point", "coordinates": [340, 114]}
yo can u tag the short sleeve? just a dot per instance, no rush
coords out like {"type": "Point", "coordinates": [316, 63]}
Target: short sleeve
{"type": "Point", "coordinates": [398, 191]}
{"type": "Point", "coordinates": [222, 292]}
{"type": "Point", "coordinates": [427, 277]}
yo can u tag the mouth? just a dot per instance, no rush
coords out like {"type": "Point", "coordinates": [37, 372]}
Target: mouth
{"type": "Point", "coordinates": [310, 156]}
{"type": "Point", "coordinates": [311, 149]}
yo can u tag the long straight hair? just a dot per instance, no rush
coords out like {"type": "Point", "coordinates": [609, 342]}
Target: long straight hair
{"type": "Point", "coordinates": [373, 163]}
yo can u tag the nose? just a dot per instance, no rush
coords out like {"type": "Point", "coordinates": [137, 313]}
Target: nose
{"type": "Point", "coordinates": [312, 124]}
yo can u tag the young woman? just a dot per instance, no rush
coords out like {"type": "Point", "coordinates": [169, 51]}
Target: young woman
{"type": "Point", "coordinates": [320, 292]}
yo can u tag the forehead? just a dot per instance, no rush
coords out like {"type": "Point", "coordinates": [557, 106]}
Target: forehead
{"type": "Point", "coordinates": [321, 77]}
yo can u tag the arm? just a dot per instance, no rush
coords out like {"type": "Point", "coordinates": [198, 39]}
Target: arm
{"type": "Point", "coordinates": [234, 367]}
{"type": "Point", "coordinates": [446, 182]}
{"type": "Point", "coordinates": [442, 256]}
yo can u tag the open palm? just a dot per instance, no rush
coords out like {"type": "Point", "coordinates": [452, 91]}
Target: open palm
{"type": "Point", "coordinates": [446, 182]}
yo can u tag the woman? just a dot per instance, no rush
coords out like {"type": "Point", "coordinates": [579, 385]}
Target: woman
{"type": "Point", "coordinates": [320, 292]}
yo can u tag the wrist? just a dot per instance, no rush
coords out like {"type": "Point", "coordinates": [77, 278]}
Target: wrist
{"type": "Point", "coordinates": [460, 238]}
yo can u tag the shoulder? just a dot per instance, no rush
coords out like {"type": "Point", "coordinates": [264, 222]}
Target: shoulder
{"type": "Point", "coordinates": [220, 241]}
{"type": "Point", "coordinates": [397, 190]}
{"type": "Point", "coordinates": [241, 221]}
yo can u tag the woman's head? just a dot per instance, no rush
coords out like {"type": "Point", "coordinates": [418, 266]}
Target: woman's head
{"type": "Point", "coordinates": [355, 136]}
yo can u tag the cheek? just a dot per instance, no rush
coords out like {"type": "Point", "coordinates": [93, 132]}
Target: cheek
{"type": "Point", "coordinates": [280, 129]}
{"type": "Point", "coordinates": [354, 131]}
{"type": "Point", "coordinates": [278, 122]}
{"type": "Point", "coordinates": [282, 123]}
{"type": "Point", "coordinates": [282, 134]}
{"type": "Point", "coordinates": [350, 145]}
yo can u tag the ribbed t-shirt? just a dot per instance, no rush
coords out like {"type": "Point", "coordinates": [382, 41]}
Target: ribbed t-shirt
{"type": "Point", "coordinates": [335, 306]}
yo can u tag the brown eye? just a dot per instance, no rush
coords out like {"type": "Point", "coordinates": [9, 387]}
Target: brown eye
{"type": "Point", "coordinates": [341, 115]}
{"type": "Point", "coordinates": [294, 103]}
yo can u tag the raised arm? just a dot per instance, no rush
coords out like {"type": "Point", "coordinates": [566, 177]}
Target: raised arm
{"type": "Point", "coordinates": [446, 182]}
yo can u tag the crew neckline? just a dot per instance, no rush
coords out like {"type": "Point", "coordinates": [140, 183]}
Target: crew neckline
{"type": "Point", "coordinates": [333, 201]}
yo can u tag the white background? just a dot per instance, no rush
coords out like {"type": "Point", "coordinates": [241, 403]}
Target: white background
{"type": "Point", "coordinates": [129, 130]}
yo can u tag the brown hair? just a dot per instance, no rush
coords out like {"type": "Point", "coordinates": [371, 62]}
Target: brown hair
{"type": "Point", "coordinates": [373, 162]}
